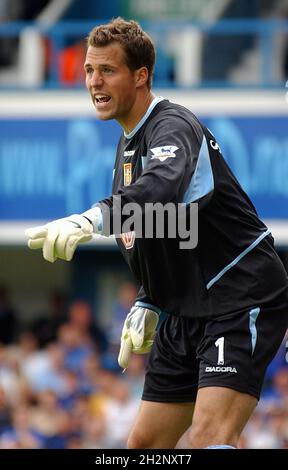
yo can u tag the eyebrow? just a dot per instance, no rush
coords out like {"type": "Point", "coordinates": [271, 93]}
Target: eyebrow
{"type": "Point", "coordinates": [106, 64]}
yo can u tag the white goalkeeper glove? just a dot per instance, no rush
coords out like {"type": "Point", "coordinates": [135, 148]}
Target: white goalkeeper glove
{"type": "Point", "coordinates": [59, 238]}
{"type": "Point", "coordinates": [137, 334]}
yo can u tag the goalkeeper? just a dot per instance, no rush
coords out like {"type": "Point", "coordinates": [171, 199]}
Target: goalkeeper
{"type": "Point", "coordinates": [226, 298]}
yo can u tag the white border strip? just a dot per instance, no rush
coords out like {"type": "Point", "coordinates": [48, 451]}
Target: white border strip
{"type": "Point", "coordinates": [63, 103]}
{"type": "Point", "coordinates": [13, 233]}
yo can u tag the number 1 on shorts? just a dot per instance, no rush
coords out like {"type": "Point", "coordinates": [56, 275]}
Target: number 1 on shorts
{"type": "Point", "coordinates": [220, 345]}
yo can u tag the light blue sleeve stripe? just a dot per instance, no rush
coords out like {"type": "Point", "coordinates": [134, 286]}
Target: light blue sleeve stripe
{"type": "Point", "coordinates": [235, 261]}
{"type": "Point", "coordinates": [202, 181]}
{"type": "Point", "coordinates": [253, 314]}
{"type": "Point", "coordinates": [145, 305]}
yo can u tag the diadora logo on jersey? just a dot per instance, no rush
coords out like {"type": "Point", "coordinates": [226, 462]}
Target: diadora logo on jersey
{"type": "Point", "coordinates": [162, 153]}
{"type": "Point", "coordinates": [128, 239]}
{"type": "Point", "coordinates": [129, 153]}
{"type": "Point", "coordinates": [127, 169]}
{"type": "Point", "coordinates": [214, 145]}
{"type": "Point", "coordinates": [220, 369]}
{"type": "Point", "coordinates": [213, 142]}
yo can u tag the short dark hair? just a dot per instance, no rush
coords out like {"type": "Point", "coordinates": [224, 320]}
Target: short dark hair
{"type": "Point", "coordinates": [138, 47]}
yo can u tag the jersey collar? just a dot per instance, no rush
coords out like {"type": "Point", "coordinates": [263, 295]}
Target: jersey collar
{"type": "Point", "coordinates": [156, 100]}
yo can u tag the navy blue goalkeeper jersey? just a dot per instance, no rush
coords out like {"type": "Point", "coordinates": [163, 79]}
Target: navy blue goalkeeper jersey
{"type": "Point", "coordinates": [170, 157]}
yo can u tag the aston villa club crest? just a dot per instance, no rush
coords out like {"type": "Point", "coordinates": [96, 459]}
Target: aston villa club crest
{"type": "Point", "coordinates": [128, 239]}
{"type": "Point", "coordinates": [127, 168]}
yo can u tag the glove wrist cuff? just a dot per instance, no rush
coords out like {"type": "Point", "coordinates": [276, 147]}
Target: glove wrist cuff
{"type": "Point", "coordinates": [155, 309]}
{"type": "Point", "coordinates": [94, 216]}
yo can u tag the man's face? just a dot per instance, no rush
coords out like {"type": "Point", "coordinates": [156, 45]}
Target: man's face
{"type": "Point", "coordinates": [111, 84]}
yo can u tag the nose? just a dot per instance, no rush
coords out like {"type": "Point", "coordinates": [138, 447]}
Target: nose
{"type": "Point", "coordinates": [96, 78]}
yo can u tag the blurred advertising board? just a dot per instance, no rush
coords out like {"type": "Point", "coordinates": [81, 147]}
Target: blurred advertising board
{"type": "Point", "coordinates": [49, 168]}
{"type": "Point", "coordinates": [54, 165]}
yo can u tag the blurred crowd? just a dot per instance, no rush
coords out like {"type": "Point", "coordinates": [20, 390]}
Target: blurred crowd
{"type": "Point", "coordinates": [60, 384]}
{"type": "Point", "coordinates": [33, 56]}
{"type": "Point", "coordinates": [61, 387]}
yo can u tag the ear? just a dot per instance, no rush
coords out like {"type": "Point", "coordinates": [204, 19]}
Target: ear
{"type": "Point", "coordinates": [141, 76]}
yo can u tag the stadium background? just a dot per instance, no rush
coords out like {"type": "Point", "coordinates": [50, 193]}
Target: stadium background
{"type": "Point", "coordinates": [60, 325]}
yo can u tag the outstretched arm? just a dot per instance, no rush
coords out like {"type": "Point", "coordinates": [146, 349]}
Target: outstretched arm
{"type": "Point", "coordinates": [59, 239]}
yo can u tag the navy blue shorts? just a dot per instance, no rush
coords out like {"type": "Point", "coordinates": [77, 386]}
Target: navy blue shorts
{"type": "Point", "coordinates": [232, 351]}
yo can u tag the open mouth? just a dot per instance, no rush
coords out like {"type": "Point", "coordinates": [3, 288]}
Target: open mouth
{"type": "Point", "coordinates": [101, 99]}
